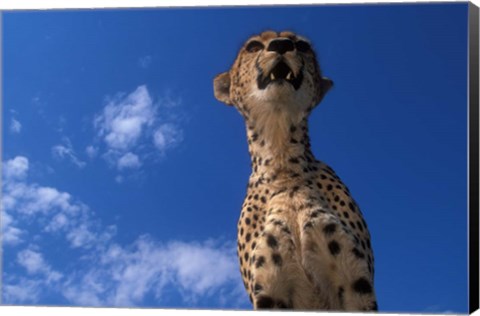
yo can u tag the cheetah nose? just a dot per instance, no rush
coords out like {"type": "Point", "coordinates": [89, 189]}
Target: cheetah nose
{"type": "Point", "coordinates": [281, 46]}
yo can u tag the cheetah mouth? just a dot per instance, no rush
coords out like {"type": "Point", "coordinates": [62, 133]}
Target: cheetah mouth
{"type": "Point", "coordinates": [280, 74]}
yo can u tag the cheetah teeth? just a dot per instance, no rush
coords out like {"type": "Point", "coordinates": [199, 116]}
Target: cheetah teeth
{"type": "Point", "coordinates": [272, 76]}
{"type": "Point", "coordinates": [289, 76]}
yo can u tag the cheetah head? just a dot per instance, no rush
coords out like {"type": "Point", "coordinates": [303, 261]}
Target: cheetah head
{"type": "Point", "coordinates": [272, 72]}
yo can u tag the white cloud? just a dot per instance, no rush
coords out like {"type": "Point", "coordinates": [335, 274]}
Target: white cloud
{"type": "Point", "coordinates": [30, 201]}
{"type": "Point", "coordinates": [132, 129]}
{"type": "Point", "coordinates": [129, 160]}
{"type": "Point", "coordinates": [126, 275]}
{"type": "Point", "coordinates": [145, 61]}
{"type": "Point", "coordinates": [91, 151]}
{"type": "Point", "coordinates": [15, 168]}
{"type": "Point", "coordinates": [123, 120]}
{"type": "Point", "coordinates": [26, 290]}
{"type": "Point", "coordinates": [167, 136]}
{"type": "Point", "coordinates": [15, 126]}
{"type": "Point", "coordinates": [11, 235]}
{"type": "Point", "coordinates": [102, 272]}
{"type": "Point", "coordinates": [66, 152]}
{"type": "Point", "coordinates": [32, 261]}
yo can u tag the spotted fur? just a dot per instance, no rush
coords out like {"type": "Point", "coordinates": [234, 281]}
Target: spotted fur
{"type": "Point", "coordinates": [302, 241]}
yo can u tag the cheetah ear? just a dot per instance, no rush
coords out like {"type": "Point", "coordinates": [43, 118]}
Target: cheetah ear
{"type": "Point", "coordinates": [221, 88]}
{"type": "Point", "coordinates": [325, 85]}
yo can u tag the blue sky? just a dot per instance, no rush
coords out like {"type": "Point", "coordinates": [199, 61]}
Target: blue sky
{"type": "Point", "coordinates": [123, 177]}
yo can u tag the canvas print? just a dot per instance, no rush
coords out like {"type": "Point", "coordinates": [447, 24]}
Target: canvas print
{"type": "Point", "coordinates": [281, 157]}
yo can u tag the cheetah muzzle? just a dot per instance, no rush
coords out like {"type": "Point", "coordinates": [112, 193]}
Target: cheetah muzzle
{"type": "Point", "coordinates": [280, 74]}
{"type": "Point", "coordinates": [302, 240]}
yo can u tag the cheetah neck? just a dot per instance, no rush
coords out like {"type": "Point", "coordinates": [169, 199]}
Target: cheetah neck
{"type": "Point", "coordinates": [279, 149]}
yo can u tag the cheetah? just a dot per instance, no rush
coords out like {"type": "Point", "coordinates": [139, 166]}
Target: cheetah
{"type": "Point", "coordinates": [302, 241]}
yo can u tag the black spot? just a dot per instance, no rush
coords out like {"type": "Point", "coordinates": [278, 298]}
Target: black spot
{"type": "Point", "coordinates": [292, 128]}
{"type": "Point", "coordinates": [341, 291]}
{"type": "Point", "coordinates": [265, 302]}
{"type": "Point", "coordinates": [255, 196]}
{"type": "Point", "coordinates": [272, 241]}
{"type": "Point", "coordinates": [260, 262]}
{"type": "Point", "coordinates": [263, 199]}
{"type": "Point", "coordinates": [254, 244]}
{"type": "Point", "coordinates": [329, 187]}
{"type": "Point", "coordinates": [350, 205]}
{"type": "Point", "coordinates": [294, 160]}
{"type": "Point", "coordinates": [277, 259]}
{"type": "Point", "coordinates": [246, 256]}
{"type": "Point", "coordinates": [329, 229]}
{"type": "Point", "coordinates": [241, 231]}
{"type": "Point", "coordinates": [362, 286]}
{"type": "Point", "coordinates": [358, 253]}
{"type": "Point", "coordinates": [334, 247]}
{"type": "Point", "coordinates": [247, 221]}
{"type": "Point", "coordinates": [360, 226]}
{"type": "Point", "coordinates": [294, 190]}
{"type": "Point", "coordinates": [323, 177]}
{"type": "Point", "coordinates": [346, 214]}
{"type": "Point", "coordinates": [248, 236]}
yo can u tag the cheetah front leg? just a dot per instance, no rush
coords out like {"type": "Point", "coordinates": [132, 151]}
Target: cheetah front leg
{"type": "Point", "coordinates": [334, 261]}
{"type": "Point", "coordinates": [278, 280]}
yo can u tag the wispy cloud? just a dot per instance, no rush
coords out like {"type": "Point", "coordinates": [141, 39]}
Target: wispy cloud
{"type": "Point", "coordinates": [25, 201]}
{"type": "Point", "coordinates": [106, 272]}
{"type": "Point", "coordinates": [34, 263]}
{"type": "Point", "coordinates": [145, 61]}
{"type": "Point", "coordinates": [133, 128]}
{"type": "Point", "coordinates": [91, 151]}
{"type": "Point", "coordinates": [167, 136]}
{"type": "Point", "coordinates": [129, 160]}
{"type": "Point", "coordinates": [65, 151]}
{"type": "Point", "coordinates": [126, 275]}
{"type": "Point", "coordinates": [15, 126]}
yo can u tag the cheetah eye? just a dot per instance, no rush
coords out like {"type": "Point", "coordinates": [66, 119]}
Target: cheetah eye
{"type": "Point", "coordinates": [303, 46]}
{"type": "Point", "coordinates": [254, 46]}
